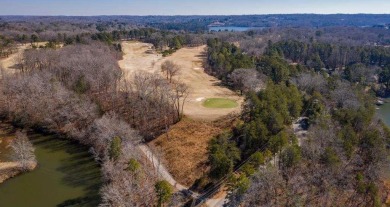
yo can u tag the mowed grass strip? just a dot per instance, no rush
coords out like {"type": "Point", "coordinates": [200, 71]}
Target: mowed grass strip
{"type": "Point", "coordinates": [219, 103]}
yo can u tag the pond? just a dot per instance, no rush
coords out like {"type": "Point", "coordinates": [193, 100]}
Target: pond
{"type": "Point", "coordinates": [384, 112]}
{"type": "Point", "coordinates": [67, 175]}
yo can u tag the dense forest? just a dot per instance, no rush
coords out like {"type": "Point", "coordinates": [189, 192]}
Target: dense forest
{"type": "Point", "coordinates": [345, 150]}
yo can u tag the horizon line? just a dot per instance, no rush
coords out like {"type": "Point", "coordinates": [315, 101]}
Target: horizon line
{"type": "Point", "coordinates": [166, 15]}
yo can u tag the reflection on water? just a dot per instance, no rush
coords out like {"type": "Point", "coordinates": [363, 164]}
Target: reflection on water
{"type": "Point", "coordinates": [66, 175]}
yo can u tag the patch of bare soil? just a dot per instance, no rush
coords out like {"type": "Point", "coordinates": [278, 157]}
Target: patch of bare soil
{"type": "Point", "coordinates": [138, 56]}
{"type": "Point", "coordinates": [184, 149]}
{"type": "Point", "coordinates": [8, 170]}
{"type": "Point", "coordinates": [11, 169]}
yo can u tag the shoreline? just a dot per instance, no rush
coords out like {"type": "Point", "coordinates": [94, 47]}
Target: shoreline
{"type": "Point", "coordinates": [11, 169]}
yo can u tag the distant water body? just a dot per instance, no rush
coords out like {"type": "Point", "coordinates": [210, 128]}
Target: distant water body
{"type": "Point", "coordinates": [234, 29]}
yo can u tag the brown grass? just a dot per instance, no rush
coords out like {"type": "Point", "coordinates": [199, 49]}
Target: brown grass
{"type": "Point", "coordinates": [184, 148]}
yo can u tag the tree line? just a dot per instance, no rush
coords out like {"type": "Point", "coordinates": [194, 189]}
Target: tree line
{"type": "Point", "coordinates": [338, 162]}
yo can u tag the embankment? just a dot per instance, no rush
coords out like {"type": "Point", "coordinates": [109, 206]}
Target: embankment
{"type": "Point", "coordinates": [11, 169]}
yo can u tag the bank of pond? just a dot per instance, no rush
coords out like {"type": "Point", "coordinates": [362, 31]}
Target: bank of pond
{"type": "Point", "coordinates": [67, 175]}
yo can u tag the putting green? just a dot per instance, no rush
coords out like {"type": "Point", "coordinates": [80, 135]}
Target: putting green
{"type": "Point", "coordinates": [219, 103]}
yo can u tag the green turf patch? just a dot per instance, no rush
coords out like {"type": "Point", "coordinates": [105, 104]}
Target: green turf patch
{"type": "Point", "coordinates": [219, 103]}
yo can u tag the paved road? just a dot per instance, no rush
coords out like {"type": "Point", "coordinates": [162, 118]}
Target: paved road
{"type": "Point", "coordinates": [161, 169]}
{"type": "Point", "coordinates": [216, 202]}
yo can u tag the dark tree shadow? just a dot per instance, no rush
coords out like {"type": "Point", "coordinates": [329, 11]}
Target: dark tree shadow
{"type": "Point", "coordinates": [80, 168]}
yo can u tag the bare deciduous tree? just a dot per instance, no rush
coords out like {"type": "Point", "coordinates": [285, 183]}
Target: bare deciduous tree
{"type": "Point", "coordinates": [265, 189]}
{"type": "Point", "coordinates": [247, 80]}
{"type": "Point", "coordinates": [170, 69]}
{"type": "Point", "coordinates": [310, 82]}
{"type": "Point", "coordinates": [179, 97]}
{"type": "Point", "coordinates": [23, 151]}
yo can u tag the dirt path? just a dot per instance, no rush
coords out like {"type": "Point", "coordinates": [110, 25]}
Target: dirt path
{"type": "Point", "coordinates": [140, 57]}
{"type": "Point", "coordinates": [8, 64]}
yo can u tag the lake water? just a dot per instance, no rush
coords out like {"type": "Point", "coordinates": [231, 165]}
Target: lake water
{"type": "Point", "coordinates": [66, 175]}
{"type": "Point", "coordinates": [234, 29]}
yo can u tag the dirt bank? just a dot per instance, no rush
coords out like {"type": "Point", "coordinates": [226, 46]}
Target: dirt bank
{"type": "Point", "coordinates": [11, 169]}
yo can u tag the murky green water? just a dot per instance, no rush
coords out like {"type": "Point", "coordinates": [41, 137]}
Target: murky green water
{"type": "Point", "coordinates": [66, 176]}
{"type": "Point", "coordinates": [384, 112]}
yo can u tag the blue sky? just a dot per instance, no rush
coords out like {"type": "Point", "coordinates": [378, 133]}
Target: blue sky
{"type": "Point", "coordinates": [187, 7]}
